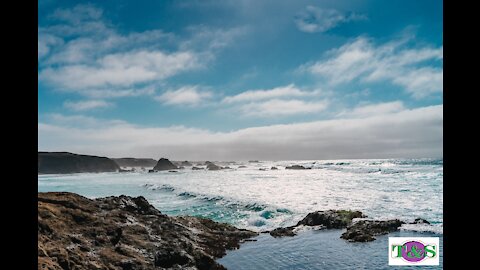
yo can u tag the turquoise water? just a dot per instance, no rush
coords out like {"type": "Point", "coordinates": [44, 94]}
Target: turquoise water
{"type": "Point", "coordinates": [261, 200]}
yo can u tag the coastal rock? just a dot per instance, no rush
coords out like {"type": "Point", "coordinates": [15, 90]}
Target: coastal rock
{"type": "Point", "coordinates": [197, 168]}
{"type": "Point", "coordinates": [242, 166]}
{"type": "Point", "coordinates": [213, 167]}
{"type": "Point", "coordinates": [186, 164]}
{"type": "Point", "coordinates": [296, 167]}
{"type": "Point", "coordinates": [365, 230]}
{"type": "Point", "coordinates": [274, 168]}
{"type": "Point", "coordinates": [164, 164]}
{"type": "Point", "coordinates": [122, 232]}
{"type": "Point", "coordinates": [64, 162]}
{"type": "Point", "coordinates": [281, 232]}
{"type": "Point", "coordinates": [420, 221]}
{"type": "Point", "coordinates": [331, 219]}
{"type": "Point", "coordinates": [135, 162]}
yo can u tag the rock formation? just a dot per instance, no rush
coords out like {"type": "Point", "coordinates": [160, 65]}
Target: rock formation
{"type": "Point", "coordinates": [64, 162]}
{"type": "Point", "coordinates": [135, 162]}
{"type": "Point", "coordinates": [296, 167]}
{"type": "Point", "coordinates": [164, 164]}
{"type": "Point", "coordinates": [126, 233]}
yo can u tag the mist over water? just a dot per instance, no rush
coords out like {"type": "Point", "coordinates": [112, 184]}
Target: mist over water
{"type": "Point", "coordinates": [265, 199]}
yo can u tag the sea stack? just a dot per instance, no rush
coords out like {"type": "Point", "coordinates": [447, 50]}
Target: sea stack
{"type": "Point", "coordinates": [164, 164]}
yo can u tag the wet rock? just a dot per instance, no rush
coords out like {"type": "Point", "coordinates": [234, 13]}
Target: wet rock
{"type": "Point", "coordinates": [331, 219]}
{"type": "Point", "coordinates": [365, 230]}
{"type": "Point", "coordinates": [197, 168]}
{"type": "Point", "coordinates": [420, 221]}
{"type": "Point", "coordinates": [274, 168]}
{"type": "Point", "coordinates": [126, 233]}
{"type": "Point", "coordinates": [281, 232]}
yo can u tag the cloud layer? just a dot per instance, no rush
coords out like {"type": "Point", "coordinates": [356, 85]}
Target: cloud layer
{"type": "Point", "coordinates": [404, 133]}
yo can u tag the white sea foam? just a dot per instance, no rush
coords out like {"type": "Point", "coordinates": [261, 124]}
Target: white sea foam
{"type": "Point", "coordinates": [255, 199]}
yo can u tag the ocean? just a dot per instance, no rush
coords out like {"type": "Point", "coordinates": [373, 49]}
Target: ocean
{"type": "Point", "coordinates": [259, 199]}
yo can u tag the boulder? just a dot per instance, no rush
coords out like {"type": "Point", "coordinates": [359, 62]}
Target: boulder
{"type": "Point", "coordinates": [274, 168]}
{"type": "Point", "coordinates": [365, 230]}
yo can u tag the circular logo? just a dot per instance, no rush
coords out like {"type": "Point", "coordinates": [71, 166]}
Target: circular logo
{"type": "Point", "coordinates": [413, 251]}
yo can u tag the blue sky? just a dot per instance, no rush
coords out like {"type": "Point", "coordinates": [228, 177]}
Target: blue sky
{"type": "Point", "coordinates": [180, 78]}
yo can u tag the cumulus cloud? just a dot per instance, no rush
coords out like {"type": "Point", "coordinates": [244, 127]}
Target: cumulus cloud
{"type": "Point", "coordinates": [87, 105]}
{"type": "Point", "coordinates": [187, 95]}
{"type": "Point", "coordinates": [260, 94]}
{"type": "Point", "coordinates": [314, 19]}
{"type": "Point", "coordinates": [82, 52]}
{"type": "Point", "coordinates": [278, 107]}
{"type": "Point", "coordinates": [415, 69]}
{"type": "Point", "coordinates": [405, 133]}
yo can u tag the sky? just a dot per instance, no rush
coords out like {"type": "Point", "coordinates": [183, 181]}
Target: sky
{"type": "Point", "coordinates": [241, 80]}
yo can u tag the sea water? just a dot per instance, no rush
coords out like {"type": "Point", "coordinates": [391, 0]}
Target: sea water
{"type": "Point", "coordinates": [259, 199]}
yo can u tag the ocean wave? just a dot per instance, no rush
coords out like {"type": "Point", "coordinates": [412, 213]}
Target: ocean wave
{"type": "Point", "coordinates": [433, 228]}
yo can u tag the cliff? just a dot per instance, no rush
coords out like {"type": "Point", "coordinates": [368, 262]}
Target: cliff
{"type": "Point", "coordinates": [64, 162]}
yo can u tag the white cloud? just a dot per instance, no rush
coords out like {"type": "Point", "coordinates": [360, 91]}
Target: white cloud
{"type": "Point", "coordinates": [374, 109]}
{"type": "Point", "coordinates": [406, 133]}
{"type": "Point", "coordinates": [314, 19]}
{"type": "Point", "coordinates": [87, 105]}
{"type": "Point", "coordinates": [361, 60]}
{"type": "Point", "coordinates": [261, 94]}
{"type": "Point", "coordinates": [187, 95]}
{"type": "Point", "coordinates": [278, 107]}
{"type": "Point", "coordinates": [120, 70]}
{"type": "Point", "coordinates": [85, 54]}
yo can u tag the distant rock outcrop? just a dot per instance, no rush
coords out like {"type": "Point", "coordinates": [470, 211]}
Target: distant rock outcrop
{"type": "Point", "coordinates": [164, 164]}
{"type": "Point", "coordinates": [126, 233]}
{"type": "Point", "coordinates": [135, 162]}
{"type": "Point", "coordinates": [186, 164]}
{"type": "Point", "coordinates": [296, 167]}
{"type": "Point", "coordinates": [64, 162]}
{"type": "Point", "coordinates": [213, 167]}
{"type": "Point", "coordinates": [197, 168]}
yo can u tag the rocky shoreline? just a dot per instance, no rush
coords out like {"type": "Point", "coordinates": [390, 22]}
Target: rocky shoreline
{"type": "Point", "coordinates": [123, 232]}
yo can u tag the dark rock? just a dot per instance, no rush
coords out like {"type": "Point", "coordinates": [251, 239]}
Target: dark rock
{"type": "Point", "coordinates": [135, 162]}
{"type": "Point", "coordinates": [151, 171]}
{"type": "Point", "coordinates": [254, 161]}
{"type": "Point", "coordinates": [213, 167]}
{"type": "Point", "coordinates": [197, 168]}
{"type": "Point", "coordinates": [64, 162]}
{"type": "Point", "coordinates": [420, 221]}
{"type": "Point", "coordinates": [185, 163]}
{"type": "Point", "coordinates": [164, 164]}
{"type": "Point", "coordinates": [331, 219]}
{"type": "Point", "coordinates": [242, 166]}
{"type": "Point", "coordinates": [296, 167]}
{"type": "Point", "coordinates": [126, 233]}
{"type": "Point", "coordinates": [262, 169]}
{"type": "Point", "coordinates": [365, 230]}
{"type": "Point", "coordinates": [280, 232]}
{"type": "Point", "coordinates": [172, 171]}
{"type": "Point", "coordinates": [274, 168]}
